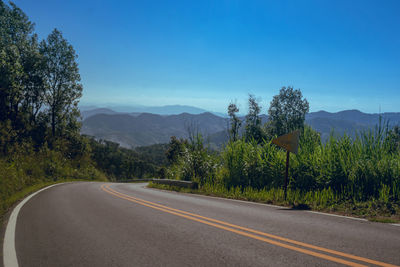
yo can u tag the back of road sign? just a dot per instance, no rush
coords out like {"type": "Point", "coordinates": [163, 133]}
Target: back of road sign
{"type": "Point", "coordinates": [289, 141]}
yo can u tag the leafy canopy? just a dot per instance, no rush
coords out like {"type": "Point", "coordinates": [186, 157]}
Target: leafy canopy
{"type": "Point", "coordinates": [287, 111]}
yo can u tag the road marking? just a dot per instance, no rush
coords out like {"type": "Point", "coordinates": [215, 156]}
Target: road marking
{"type": "Point", "coordinates": [9, 253]}
{"type": "Point", "coordinates": [261, 233]}
{"type": "Point", "coordinates": [231, 228]}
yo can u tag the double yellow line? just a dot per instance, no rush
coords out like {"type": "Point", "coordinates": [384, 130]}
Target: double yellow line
{"type": "Point", "coordinates": [304, 247]}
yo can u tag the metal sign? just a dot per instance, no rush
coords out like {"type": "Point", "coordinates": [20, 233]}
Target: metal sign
{"type": "Point", "coordinates": [290, 142]}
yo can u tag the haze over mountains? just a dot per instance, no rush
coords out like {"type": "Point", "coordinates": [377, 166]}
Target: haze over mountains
{"type": "Point", "coordinates": [161, 110]}
{"type": "Point", "coordinates": [134, 128]}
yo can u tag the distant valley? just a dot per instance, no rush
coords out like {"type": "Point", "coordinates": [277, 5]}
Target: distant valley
{"type": "Point", "coordinates": [133, 129]}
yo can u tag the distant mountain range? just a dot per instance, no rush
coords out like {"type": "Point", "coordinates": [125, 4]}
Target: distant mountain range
{"type": "Point", "coordinates": [161, 110]}
{"type": "Point", "coordinates": [147, 129]}
{"type": "Point", "coordinates": [133, 128]}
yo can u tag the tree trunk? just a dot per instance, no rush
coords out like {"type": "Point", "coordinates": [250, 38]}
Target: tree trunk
{"type": "Point", "coordinates": [53, 123]}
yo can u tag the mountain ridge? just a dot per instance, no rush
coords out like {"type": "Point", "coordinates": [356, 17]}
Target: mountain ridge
{"type": "Point", "coordinates": [141, 129]}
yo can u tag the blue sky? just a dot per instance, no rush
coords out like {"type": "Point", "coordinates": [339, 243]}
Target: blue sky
{"type": "Point", "coordinates": [341, 54]}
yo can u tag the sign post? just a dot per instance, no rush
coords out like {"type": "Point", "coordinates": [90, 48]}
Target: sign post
{"type": "Point", "coordinates": [290, 142]}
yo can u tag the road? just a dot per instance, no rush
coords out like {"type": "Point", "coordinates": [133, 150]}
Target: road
{"type": "Point", "coordinates": [108, 224]}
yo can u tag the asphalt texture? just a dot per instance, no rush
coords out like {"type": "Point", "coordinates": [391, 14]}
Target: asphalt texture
{"type": "Point", "coordinates": [97, 224]}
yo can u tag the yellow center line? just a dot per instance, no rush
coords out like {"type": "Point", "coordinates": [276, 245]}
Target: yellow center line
{"type": "Point", "coordinates": [208, 221]}
{"type": "Point", "coordinates": [264, 234]}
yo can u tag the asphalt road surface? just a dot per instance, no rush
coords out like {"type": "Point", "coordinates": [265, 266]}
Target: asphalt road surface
{"type": "Point", "coordinates": [106, 224]}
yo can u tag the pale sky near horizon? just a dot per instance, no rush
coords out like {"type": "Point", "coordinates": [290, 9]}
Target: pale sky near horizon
{"type": "Point", "coordinates": [341, 54]}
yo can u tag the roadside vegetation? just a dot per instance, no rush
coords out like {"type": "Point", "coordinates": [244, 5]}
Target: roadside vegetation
{"type": "Point", "coordinates": [358, 176]}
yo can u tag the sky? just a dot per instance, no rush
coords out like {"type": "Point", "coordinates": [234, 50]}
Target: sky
{"type": "Point", "coordinates": [340, 54]}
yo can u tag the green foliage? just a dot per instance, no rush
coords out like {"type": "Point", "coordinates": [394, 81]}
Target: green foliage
{"type": "Point", "coordinates": [155, 154]}
{"type": "Point", "coordinates": [25, 168]}
{"type": "Point", "coordinates": [253, 121]}
{"type": "Point", "coordinates": [120, 163]}
{"type": "Point", "coordinates": [235, 122]}
{"type": "Point", "coordinates": [20, 75]}
{"type": "Point", "coordinates": [194, 162]}
{"type": "Point", "coordinates": [287, 111]}
{"type": "Point", "coordinates": [393, 139]}
{"type": "Point", "coordinates": [175, 149]}
{"type": "Point", "coordinates": [62, 82]}
{"type": "Point", "coordinates": [39, 82]}
{"type": "Point", "coordinates": [250, 164]}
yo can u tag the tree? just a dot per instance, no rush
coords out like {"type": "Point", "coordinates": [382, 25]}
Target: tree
{"type": "Point", "coordinates": [175, 149]}
{"type": "Point", "coordinates": [234, 121]}
{"type": "Point", "coordinates": [62, 81]}
{"type": "Point", "coordinates": [21, 83]}
{"type": "Point", "coordinates": [253, 121]}
{"type": "Point", "coordinates": [18, 50]}
{"type": "Point", "coordinates": [287, 111]}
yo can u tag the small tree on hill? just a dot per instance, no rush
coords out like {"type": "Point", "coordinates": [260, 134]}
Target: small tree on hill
{"type": "Point", "coordinates": [235, 122]}
{"type": "Point", "coordinates": [253, 121]}
{"type": "Point", "coordinates": [175, 149]}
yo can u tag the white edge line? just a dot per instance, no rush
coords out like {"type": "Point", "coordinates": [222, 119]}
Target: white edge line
{"type": "Point", "coordinates": [269, 205]}
{"type": "Point", "coordinates": [336, 215]}
{"type": "Point", "coordinates": [9, 253]}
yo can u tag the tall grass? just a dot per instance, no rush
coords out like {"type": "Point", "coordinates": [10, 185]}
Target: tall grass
{"type": "Point", "coordinates": [196, 163]}
{"type": "Point", "coordinates": [343, 169]}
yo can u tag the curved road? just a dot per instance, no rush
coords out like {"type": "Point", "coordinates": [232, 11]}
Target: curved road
{"type": "Point", "coordinates": [97, 224]}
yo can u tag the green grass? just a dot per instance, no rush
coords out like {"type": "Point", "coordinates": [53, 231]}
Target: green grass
{"type": "Point", "coordinates": [383, 220]}
{"type": "Point", "coordinates": [171, 188]}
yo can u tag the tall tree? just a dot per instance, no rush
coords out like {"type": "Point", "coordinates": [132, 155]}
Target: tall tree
{"type": "Point", "coordinates": [62, 80]}
{"type": "Point", "coordinates": [287, 111]}
{"type": "Point", "coordinates": [253, 121]}
{"type": "Point", "coordinates": [18, 45]}
{"type": "Point", "coordinates": [33, 83]}
{"type": "Point", "coordinates": [21, 86]}
{"type": "Point", "coordinates": [235, 122]}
